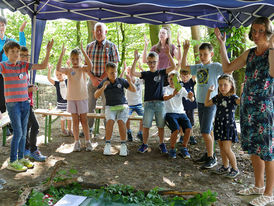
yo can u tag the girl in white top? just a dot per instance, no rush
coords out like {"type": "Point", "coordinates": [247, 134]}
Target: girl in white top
{"type": "Point", "coordinates": [77, 94]}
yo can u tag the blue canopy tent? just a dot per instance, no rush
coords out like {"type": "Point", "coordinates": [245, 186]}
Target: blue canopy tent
{"type": "Point", "coordinates": [212, 13]}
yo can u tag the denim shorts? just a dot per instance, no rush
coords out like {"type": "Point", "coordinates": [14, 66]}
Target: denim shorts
{"type": "Point", "coordinates": [206, 116]}
{"type": "Point", "coordinates": [116, 114]}
{"type": "Point", "coordinates": [175, 121]}
{"type": "Point", "coordinates": [136, 108]}
{"type": "Point", "coordinates": [152, 108]}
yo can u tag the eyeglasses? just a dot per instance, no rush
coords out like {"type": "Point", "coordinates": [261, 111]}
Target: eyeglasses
{"type": "Point", "coordinates": [151, 62]}
{"type": "Point", "coordinates": [24, 56]}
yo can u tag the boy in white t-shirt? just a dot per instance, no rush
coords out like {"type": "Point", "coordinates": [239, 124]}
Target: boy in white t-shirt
{"type": "Point", "coordinates": [135, 103]}
{"type": "Point", "coordinates": [176, 116]}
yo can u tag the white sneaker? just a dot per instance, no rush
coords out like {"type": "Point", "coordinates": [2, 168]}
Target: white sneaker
{"type": "Point", "coordinates": [88, 146]}
{"type": "Point", "coordinates": [123, 150]}
{"type": "Point", "coordinates": [77, 146]}
{"type": "Point", "coordinates": [107, 149]}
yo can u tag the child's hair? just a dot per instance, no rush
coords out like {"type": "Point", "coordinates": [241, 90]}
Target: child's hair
{"type": "Point", "coordinates": [10, 45]}
{"type": "Point", "coordinates": [111, 65]}
{"type": "Point", "coordinates": [231, 80]}
{"type": "Point", "coordinates": [153, 54]}
{"type": "Point", "coordinates": [75, 52]}
{"type": "Point", "coordinates": [3, 20]}
{"type": "Point", "coordinates": [173, 72]}
{"type": "Point", "coordinates": [204, 46]}
{"type": "Point", "coordinates": [269, 30]}
{"type": "Point", "coordinates": [24, 49]}
{"type": "Point", "coordinates": [184, 72]}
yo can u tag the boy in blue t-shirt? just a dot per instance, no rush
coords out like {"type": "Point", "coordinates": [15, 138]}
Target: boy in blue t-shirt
{"type": "Point", "coordinates": [153, 99]}
{"type": "Point", "coordinates": [116, 105]}
{"type": "Point", "coordinates": [207, 74]}
{"type": "Point", "coordinates": [189, 82]}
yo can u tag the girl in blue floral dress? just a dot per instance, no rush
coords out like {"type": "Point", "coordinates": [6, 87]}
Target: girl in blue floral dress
{"type": "Point", "coordinates": [225, 130]}
{"type": "Point", "coordinates": [257, 106]}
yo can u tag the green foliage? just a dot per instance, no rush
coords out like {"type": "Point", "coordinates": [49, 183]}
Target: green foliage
{"type": "Point", "coordinates": [37, 199]}
{"type": "Point", "coordinates": [123, 195]}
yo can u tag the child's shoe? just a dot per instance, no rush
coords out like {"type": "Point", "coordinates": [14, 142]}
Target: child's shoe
{"type": "Point", "coordinates": [210, 163]}
{"type": "Point", "coordinates": [202, 159]}
{"type": "Point", "coordinates": [262, 200]}
{"type": "Point", "coordinates": [233, 173]}
{"type": "Point", "coordinates": [88, 146]}
{"type": "Point", "coordinates": [129, 136]}
{"type": "Point", "coordinates": [2, 181]}
{"type": "Point", "coordinates": [163, 148]}
{"type": "Point", "coordinates": [123, 150]}
{"type": "Point", "coordinates": [107, 149]}
{"type": "Point", "coordinates": [26, 163]}
{"type": "Point", "coordinates": [77, 146]}
{"type": "Point", "coordinates": [192, 140]}
{"type": "Point", "coordinates": [140, 136]}
{"type": "Point", "coordinates": [221, 170]}
{"type": "Point", "coordinates": [172, 153]}
{"type": "Point", "coordinates": [184, 153]}
{"type": "Point", "coordinates": [26, 153]}
{"type": "Point", "coordinates": [37, 156]}
{"type": "Point", "coordinates": [16, 166]}
{"type": "Point", "coordinates": [143, 148]}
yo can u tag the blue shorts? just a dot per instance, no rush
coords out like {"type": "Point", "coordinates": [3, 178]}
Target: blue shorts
{"type": "Point", "coordinates": [137, 108]}
{"type": "Point", "coordinates": [117, 114]}
{"type": "Point", "coordinates": [152, 108]}
{"type": "Point", "coordinates": [175, 121]}
{"type": "Point", "coordinates": [206, 116]}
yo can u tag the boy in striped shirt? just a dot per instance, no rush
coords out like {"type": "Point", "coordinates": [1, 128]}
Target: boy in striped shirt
{"type": "Point", "coordinates": [15, 75]}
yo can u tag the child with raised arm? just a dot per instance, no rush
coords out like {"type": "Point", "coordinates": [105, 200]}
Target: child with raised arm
{"type": "Point", "coordinates": [15, 75]}
{"type": "Point", "coordinates": [116, 105]}
{"type": "Point", "coordinates": [225, 130]}
{"type": "Point", "coordinates": [189, 81]}
{"type": "Point", "coordinates": [176, 116]}
{"type": "Point", "coordinates": [31, 149]}
{"type": "Point", "coordinates": [77, 93]}
{"type": "Point", "coordinates": [61, 92]}
{"type": "Point", "coordinates": [207, 74]}
{"type": "Point", "coordinates": [135, 103]}
{"type": "Point", "coordinates": [153, 100]}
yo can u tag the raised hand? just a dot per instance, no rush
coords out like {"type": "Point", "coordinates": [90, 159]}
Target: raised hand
{"type": "Point", "coordinates": [146, 40]}
{"type": "Point", "coordinates": [63, 50]}
{"type": "Point", "coordinates": [179, 37]}
{"type": "Point", "coordinates": [221, 38]}
{"type": "Point", "coordinates": [186, 45]}
{"type": "Point", "coordinates": [22, 27]}
{"type": "Point", "coordinates": [50, 44]}
{"type": "Point", "coordinates": [211, 88]}
{"type": "Point", "coordinates": [136, 55]}
{"type": "Point", "coordinates": [128, 78]}
{"type": "Point", "coordinates": [106, 83]}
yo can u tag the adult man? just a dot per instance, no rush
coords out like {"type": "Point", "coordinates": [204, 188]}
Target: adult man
{"type": "Point", "coordinates": [101, 51]}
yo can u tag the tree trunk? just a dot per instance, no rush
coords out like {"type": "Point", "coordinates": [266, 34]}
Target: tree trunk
{"type": "Point", "coordinates": [196, 35]}
{"type": "Point", "coordinates": [90, 26]}
{"type": "Point", "coordinates": [123, 43]}
{"type": "Point", "coordinates": [154, 31]}
{"type": "Point", "coordinates": [78, 33]}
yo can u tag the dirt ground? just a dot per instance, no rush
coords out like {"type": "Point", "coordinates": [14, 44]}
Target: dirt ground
{"type": "Point", "coordinates": [143, 171]}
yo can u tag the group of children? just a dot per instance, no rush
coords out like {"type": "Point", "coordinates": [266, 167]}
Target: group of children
{"type": "Point", "coordinates": [172, 105]}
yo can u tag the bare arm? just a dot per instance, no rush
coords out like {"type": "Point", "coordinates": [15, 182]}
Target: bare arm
{"type": "Point", "coordinates": [100, 91]}
{"type": "Point", "coordinates": [133, 67]}
{"type": "Point", "coordinates": [49, 75]}
{"type": "Point", "coordinates": [88, 66]}
{"type": "Point", "coordinates": [144, 55]}
{"type": "Point", "coordinates": [59, 63]}
{"type": "Point", "coordinates": [173, 65]}
{"type": "Point", "coordinates": [271, 56]}
{"type": "Point", "coordinates": [45, 62]}
{"type": "Point", "coordinates": [209, 102]}
{"type": "Point", "coordinates": [228, 66]}
{"type": "Point", "coordinates": [178, 52]}
{"type": "Point", "coordinates": [131, 87]}
{"type": "Point", "coordinates": [123, 70]}
{"type": "Point", "coordinates": [168, 97]}
{"type": "Point", "coordinates": [184, 65]}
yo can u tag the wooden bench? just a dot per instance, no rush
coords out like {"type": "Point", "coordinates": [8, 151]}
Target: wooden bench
{"type": "Point", "coordinates": [3, 124]}
{"type": "Point", "coordinates": [49, 113]}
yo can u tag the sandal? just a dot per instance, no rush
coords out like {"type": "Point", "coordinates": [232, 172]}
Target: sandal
{"type": "Point", "coordinates": [252, 191]}
{"type": "Point", "coordinates": [262, 200]}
